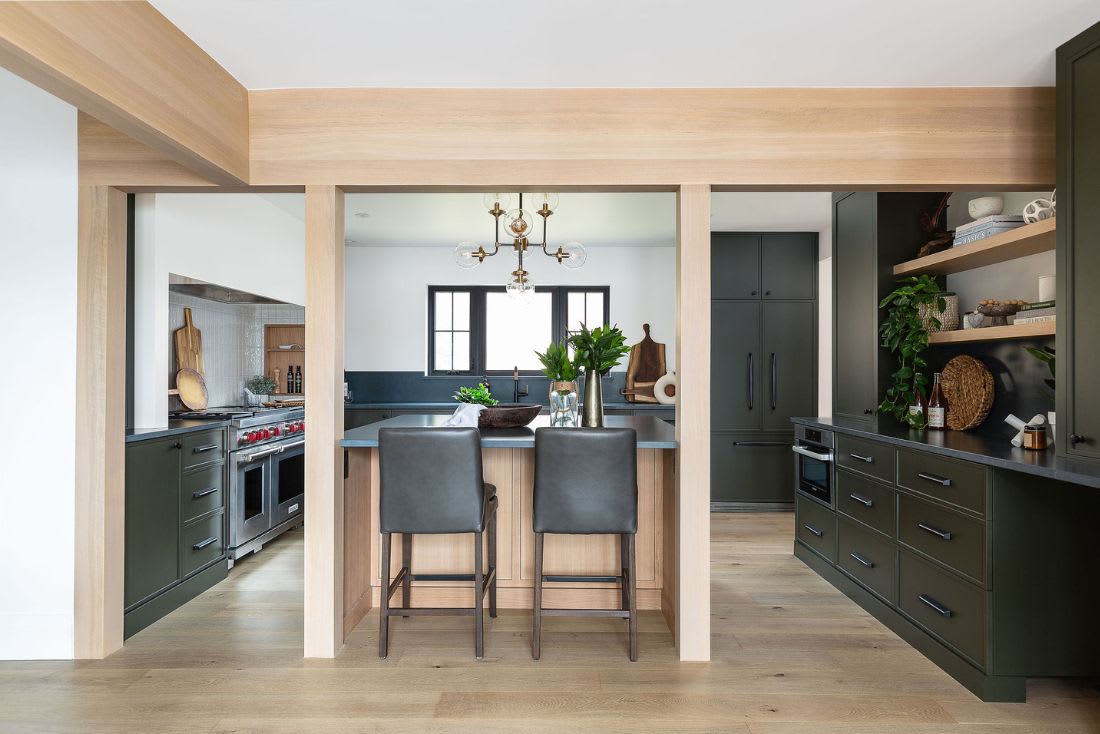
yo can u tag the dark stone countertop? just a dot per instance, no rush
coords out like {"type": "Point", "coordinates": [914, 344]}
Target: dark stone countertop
{"type": "Point", "coordinates": [174, 428]}
{"type": "Point", "coordinates": [653, 433]}
{"type": "Point", "coordinates": [452, 404]}
{"type": "Point", "coordinates": [996, 452]}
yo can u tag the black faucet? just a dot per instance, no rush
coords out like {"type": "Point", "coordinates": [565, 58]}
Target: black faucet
{"type": "Point", "coordinates": [516, 393]}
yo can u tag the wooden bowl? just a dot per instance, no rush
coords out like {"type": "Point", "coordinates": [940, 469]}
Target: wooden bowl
{"type": "Point", "coordinates": [508, 415]}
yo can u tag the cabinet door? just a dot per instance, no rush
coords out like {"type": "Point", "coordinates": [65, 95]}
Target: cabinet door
{"type": "Point", "coordinates": [789, 361]}
{"type": "Point", "coordinates": [855, 324]}
{"type": "Point", "coordinates": [735, 265]}
{"type": "Point", "coordinates": [1078, 235]}
{"type": "Point", "coordinates": [789, 265]}
{"type": "Point", "coordinates": [152, 518]}
{"type": "Point", "coordinates": [736, 366]}
{"type": "Point", "coordinates": [751, 467]}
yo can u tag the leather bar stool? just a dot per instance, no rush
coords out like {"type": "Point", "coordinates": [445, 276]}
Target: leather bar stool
{"type": "Point", "coordinates": [586, 483]}
{"type": "Point", "coordinates": [431, 483]}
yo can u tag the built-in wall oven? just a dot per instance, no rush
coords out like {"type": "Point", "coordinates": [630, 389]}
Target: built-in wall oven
{"type": "Point", "coordinates": [813, 450]}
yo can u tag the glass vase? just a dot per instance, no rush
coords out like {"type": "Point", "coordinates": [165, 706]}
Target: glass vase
{"type": "Point", "coordinates": [564, 403]}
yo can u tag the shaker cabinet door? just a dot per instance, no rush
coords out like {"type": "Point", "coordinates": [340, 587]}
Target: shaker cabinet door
{"type": "Point", "coordinates": [737, 366]}
{"type": "Point", "coordinates": [735, 265]}
{"type": "Point", "coordinates": [152, 518]}
{"type": "Point", "coordinates": [855, 333]}
{"type": "Point", "coordinates": [752, 467]}
{"type": "Point", "coordinates": [789, 360]}
{"type": "Point", "coordinates": [789, 265]}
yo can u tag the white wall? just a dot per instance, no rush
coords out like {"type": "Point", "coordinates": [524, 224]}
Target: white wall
{"type": "Point", "coordinates": [252, 242]}
{"type": "Point", "coordinates": [38, 248]}
{"type": "Point", "coordinates": [791, 212]}
{"type": "Point", "coordinates": [387, 295]}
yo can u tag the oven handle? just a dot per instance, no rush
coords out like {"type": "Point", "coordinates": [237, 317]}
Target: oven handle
{"type": "Point", "coordinates": [828, 457]}
{"type": "Point", "coordinates": [245, 458]}
{"type": "Point", "coordinates": [289, 446]}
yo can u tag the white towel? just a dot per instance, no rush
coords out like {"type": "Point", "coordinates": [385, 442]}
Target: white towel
{"type": "Point", "coordinates": [465, 414]}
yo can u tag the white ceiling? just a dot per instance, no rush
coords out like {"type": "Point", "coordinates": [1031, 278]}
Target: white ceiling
{"type": "Point", "coordinates": [633, 43]}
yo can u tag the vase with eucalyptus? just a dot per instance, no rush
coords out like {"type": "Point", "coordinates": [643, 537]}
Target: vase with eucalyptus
{"type": "Point", "coordinates": [562, 373]}
{"type": "Point", "coordinates": [910, 310]}
{"type": "Point", "coordinates": [596, 351]}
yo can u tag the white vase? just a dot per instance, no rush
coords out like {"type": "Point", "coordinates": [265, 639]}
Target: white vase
{"type": "Point", "coordinates": [1050, 422]}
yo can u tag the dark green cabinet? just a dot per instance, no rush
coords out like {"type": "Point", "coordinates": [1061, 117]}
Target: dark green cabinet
{"type": "Point", "coordinates": [789, 359]}
{"type": "Point", "coordinates": [735, 265]}
{"type": "Point", "coordinates": [152, 518]}
{"type": "Point", "coordinates": [1078, 233]}
{"type": "Point", "coordinates": [736, 366]}
{"type": "Point", "coordinates": [789, 269]}
{"type": "Point", "coordinates": [751, 467]}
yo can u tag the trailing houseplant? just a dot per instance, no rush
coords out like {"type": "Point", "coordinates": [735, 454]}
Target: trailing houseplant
{"type": "Point", "coordinates": [478, 395]}
{"type": "Point", "coordinates": [904, 332]}
{"type": "Point", "coordinates": [596, 351]}
{"type": "Point", "coordinates": [561, 370]}
{"type": "Point", "coordinates": [1045, 355]}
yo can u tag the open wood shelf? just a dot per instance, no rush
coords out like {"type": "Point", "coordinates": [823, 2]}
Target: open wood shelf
{"type": "Point", "coordinates": [283, 359]}
{"type": "Point", "coordinates": [993, 333]}
{"type": "Point", "coordinates": [1029, 239]}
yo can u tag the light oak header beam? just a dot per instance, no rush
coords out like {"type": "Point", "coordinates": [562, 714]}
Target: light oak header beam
{"type": "Point", "coordinates": [126, 65]}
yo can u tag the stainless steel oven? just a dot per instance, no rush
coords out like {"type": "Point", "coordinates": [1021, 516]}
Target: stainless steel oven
{"type": "Point", "coordinates": [813, 450]}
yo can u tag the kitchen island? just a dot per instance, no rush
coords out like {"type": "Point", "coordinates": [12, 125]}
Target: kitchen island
{"type": "Point", "coordinates": [508, 457]}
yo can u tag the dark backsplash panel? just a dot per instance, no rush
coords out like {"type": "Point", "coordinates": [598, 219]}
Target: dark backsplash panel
{"type": "Point", "coordinates": [416, 387]}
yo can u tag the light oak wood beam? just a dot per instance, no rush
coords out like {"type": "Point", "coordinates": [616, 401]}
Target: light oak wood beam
{"type": "Point", "coordinates": [100, 420]}
{"type": "Point", "coordinates": [693, 420]}
{"type": "Point", "coordinates": [106, 157]}
{"type": "Point", "coordinates": [324, 378]}
{"type": "Point", "coordinates": [126, 65]}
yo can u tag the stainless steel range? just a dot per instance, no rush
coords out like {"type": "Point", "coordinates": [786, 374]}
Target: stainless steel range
{"type": "Point", "coordinates": [266, 473]}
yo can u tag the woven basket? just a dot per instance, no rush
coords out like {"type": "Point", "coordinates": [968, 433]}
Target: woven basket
{"type": "Point", "coordinates": [968, 386]}
{"type": "Point", "coordinates": [949, 319]}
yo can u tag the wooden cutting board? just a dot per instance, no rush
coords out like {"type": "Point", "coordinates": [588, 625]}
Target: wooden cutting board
{"type": "Point", "coordinates": [646, 366]}
{"type": "Point", "coordinates": [189, 346]}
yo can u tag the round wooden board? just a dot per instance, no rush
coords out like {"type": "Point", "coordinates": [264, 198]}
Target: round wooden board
{"type": "Point", "coordinates": [968, 386]}
{"type": "Point", "coordinates": [192, 389]}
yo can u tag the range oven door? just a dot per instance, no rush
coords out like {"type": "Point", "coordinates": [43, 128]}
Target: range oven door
{"type": "Point", "coordinates": [814, 471]}
{"type": "Point", "coordinates": [288, 482]}
{"type": "Point", "coordinates": [250, 498]}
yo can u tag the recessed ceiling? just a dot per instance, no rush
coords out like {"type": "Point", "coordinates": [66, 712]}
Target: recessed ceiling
{"type": "Point", "coordinates": [637, 43]}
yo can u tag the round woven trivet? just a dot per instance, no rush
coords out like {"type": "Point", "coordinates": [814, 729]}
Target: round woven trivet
{"type": "Point", "coordinates": [968, 386]}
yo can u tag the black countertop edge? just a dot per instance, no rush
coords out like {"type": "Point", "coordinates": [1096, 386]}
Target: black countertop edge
{"type": "Point", "coordinates": [995, 452]}
{"type": "Point", "coordinates": [434, 406]}
{"type": "Point", "coordinates": [174, 428]}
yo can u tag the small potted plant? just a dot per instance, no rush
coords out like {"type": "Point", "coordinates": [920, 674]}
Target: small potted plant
{"type": "Point", "coordinates": [562, 373]}
{"type": "Point", "coordinates": [596, 351]}
{"type": "Point", "coordinates": [259, 389]}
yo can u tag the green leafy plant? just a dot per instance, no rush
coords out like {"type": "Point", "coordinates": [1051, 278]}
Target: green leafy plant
{"type": "Point", "coordinates": [903, 332]}
{"type": "Point", "coordinates": [556, 364]}
{"type": "Point", "coordinates": [479, 395]}
{"type": "Point", "coordinates": [1045, 354]}
{"type": "Point", "coordinates": [600, 349]}
{"type": "Point", "coordinates": [261, 385]}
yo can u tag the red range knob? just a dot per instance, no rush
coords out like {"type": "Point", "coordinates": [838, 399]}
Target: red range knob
{"type": "Point", "coordinates": [301, 425]}
{"type": "Point", "coordinates": [275, 430]}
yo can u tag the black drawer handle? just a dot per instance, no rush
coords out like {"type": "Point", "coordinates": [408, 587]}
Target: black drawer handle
{"type": "Point", "coordinates": [940, 609]}
{"type": "Point", "coordinates": [762, 443]}
{"type": "Point", "coordinates": [866, 502]}
{"type": "Point", "coordinates": [1076, 438]}
{"type": "Point", "coordinates": [814, 530]}
{"type": "Point", "coordinates": [203, 543]}
{"type": "Point", "coordinates": [935, 531]}
{"type": "Point", "coordinates": [203, 492]}
{"type": "Point", "coordinates": [202, 449]}
{"type": "Point", "coordinates": [934, 478]}
{"type": "Point", "coordinates": [860, 559]}
{"type": "Point", "coordinates": [865, 459]}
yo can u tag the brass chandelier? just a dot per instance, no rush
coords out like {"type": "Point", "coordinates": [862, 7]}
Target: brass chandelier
{"type": "Point", "coordinates": [519, 224]}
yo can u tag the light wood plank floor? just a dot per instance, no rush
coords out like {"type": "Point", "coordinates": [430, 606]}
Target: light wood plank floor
{"type": "Point", "coordinates": [791, 654]}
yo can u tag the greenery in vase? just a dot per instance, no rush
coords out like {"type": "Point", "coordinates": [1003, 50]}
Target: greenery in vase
{"type": "Point", "coordinates": [479, 395]}
{"type": "Point", "coordinates": [261, 385]}
{"type": "Point", "coordinates": [600, 349]}
{"type": "Point", "coordinates": [903, 333]}
{"type": "Point", "coordinates": [556, 364]}
{"type": "Point", "coordinates": [1045, 354]}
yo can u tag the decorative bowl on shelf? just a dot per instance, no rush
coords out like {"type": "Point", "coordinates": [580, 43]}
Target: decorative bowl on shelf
{"type": "Point", "coordinates": [508, 415]}
{"type": "Point", "coordinates": [999, 311]}
{"type": "Point", "coordinates": [289, 346]}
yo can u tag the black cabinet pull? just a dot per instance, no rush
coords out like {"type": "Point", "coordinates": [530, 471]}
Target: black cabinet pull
{"type": "Point", "coordinates": [767, 293]}
{"type": "Point", "coordinates": [202, 449]}
{"type": "Point", "coordinates": [868, 411]}
{"type": "Point", "coordinates": [865, 501]}
{"type": "Point", "coordinates": [814, 530]}
{"type": "Point", "coordinates": [750, 381]}
{"type": "Point", "coordinates": [861, 560]}
{"type": "Point", "coordinates": [775, 379]}
{"type": "Point", "coordinates": [203, 543]}
{"type": "Point", "coordinates": [1076, 438]}
{"type": "Point", "coordinates": [177, 445]}
{"type": "Point", "coordinates": [761, 443]}
{"type": "Point", "coordinates": [753, 293]}
{"type": "Point", "coordinates": [940, 609]}
{"type": "Point", "coordinates": [935, 531]}
{"type": "Point", "coordinates": [934, 478]}
{"type": "Point", "coordinates": [864, 459]}
{"type": "Point", "coordinates": [203, 492]}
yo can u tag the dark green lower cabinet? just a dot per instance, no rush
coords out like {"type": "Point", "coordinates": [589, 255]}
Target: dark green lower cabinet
{"type": "Point", "coordinates": [751, 467]}
{"type": "Point", "coordinates": [152, 518]}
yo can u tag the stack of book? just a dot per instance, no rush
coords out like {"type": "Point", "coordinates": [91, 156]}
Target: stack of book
{"type": "Point", "coordinates": [979, 229]}
{"type": "Point", "coordinates": [1036, 313]}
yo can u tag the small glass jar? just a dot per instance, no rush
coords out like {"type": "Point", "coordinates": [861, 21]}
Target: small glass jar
{"type": "Point", "coordinates": [1035, 438]}
{"type": "Point", "coordinates": [564, 404]}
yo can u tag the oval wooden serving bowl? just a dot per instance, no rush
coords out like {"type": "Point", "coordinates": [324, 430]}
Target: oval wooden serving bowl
{"type": "Point", "coordinates": [508, 415]}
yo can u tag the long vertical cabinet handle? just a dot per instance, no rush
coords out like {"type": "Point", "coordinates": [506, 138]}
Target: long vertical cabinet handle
{"type": "Point", "coordinates": [775, 380]}
{"type": "Point", "coordinates": [750, 381]}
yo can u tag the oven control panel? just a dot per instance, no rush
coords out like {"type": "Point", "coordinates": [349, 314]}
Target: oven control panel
{"type": "Point", "coordinates": [272, 432]}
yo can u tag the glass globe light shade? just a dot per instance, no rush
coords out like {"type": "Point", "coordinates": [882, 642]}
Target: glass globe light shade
{"type": "Point", "coordinates": [503, 198]}
{"type": "Point", "coordinates": [466, 254]}
{"type": "Point", "coordinates": [521, 288]}
{"type": "Point", "coordinates": [517, 223]}
{"type": "Point", "coordinates": [574, 254]}
{"type": "Point", "coordinates": [542, 198]}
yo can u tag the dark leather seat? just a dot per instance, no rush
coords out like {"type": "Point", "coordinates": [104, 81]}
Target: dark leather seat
{"type": "Point", "coordinates": [430, 482]}
{"type": "Point", "coordinates": [585, 484]}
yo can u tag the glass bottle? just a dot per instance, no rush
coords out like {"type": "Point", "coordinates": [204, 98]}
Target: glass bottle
{"type": "Point", "coordinates": [918, 410]}
{"type": "Point", "coordinates": [937, 406]}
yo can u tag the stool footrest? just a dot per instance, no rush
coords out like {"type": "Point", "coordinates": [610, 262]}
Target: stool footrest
{"type": "Point", "coordinates": [430, 612]}
{"type": "Point", "coordinates": [621, 613]}
{"type": "Point", "coordinates": [442, 577]}
{"type": "Point", "coordinates": [581, 579]}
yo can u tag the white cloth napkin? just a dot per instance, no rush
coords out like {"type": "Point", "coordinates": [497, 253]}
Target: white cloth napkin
{"type": "Point", "coordinates": [465, 414]}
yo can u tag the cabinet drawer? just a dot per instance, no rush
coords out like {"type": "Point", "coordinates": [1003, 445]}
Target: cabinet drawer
{"type": "Point", "coordinates": [958, 482]}
{"type": "Point", "coordinates": [867, 557]}
{"type": "Point", "coordinates": [866, 500]}
{"type": "Point", "coordinates": [751, 467]}
{"type": "Point", "coordinates": [201, 543]}
{"type": "Point", "coordinates": [866, 457]}
{"type": "Point", "coordinates": [202, 448]}
{"type": "Point", "coordinates": [946, 606]}
{"type": "Point", "coordinates": [952, 539]}
{"type": "Point", "coordinates": [815, 525]}
{"type": "Point", "coordinates": [201, 492]}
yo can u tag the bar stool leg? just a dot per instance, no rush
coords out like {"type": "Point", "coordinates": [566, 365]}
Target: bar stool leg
{"type": "Point", "coordinates": [479, 599]}
{"type": "Point", "coordinates": [632, 567]}
{"type": "Point", "coordinates": [536, 631]}
{"type": "Point", "coordinates": [493, 561]}
{"type": "Point", "coordinates": [384, 608]}
{"type": "Point", "coordinates": [623, 564]}
{"type": "Point", "coordinates": [407, 562]}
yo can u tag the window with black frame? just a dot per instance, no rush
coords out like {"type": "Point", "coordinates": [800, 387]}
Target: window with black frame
{"type": "Point", "coordinates": [477, 330]}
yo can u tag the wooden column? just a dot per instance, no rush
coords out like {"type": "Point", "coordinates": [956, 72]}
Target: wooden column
{"type": "Point", "coordinates": [693, 420]}
{"type": "Point", "coordinates": [100, 421]}
{"type": "Point", "coordinates": [324, 496]}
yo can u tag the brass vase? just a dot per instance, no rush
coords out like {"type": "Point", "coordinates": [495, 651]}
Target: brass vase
{"type": "Point", "coordinates": [593, 400]}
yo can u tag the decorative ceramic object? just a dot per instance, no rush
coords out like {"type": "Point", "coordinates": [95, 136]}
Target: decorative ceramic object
{"type": "Point", "coordinates": [1019, 425]}
{"type": "Point", "coordinates": [1050, 420]}
{"type": "Point", "coordinates": [999, 311]}
{"type": "Point", "coordinates": [564, 403]}
{"type": "Point", "coordinates": [508, 415]}
{"type": "Point", "coordinates": [665, 389]}
{"type": "Point", "coordinates": [973, 320]}
{"type": "Point", "coordinates": [593, 400]}
{"type": "Point", "coordinates": [1048, 288]}
{"type": "Point", "coordinates": [985, 206]}
{"type": "Point", "coordinates": [1038, 210]}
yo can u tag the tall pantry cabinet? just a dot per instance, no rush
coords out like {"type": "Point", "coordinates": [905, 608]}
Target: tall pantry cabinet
{"type": "Point", "coordinates": [763, 361]}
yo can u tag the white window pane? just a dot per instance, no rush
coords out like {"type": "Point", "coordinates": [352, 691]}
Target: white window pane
{"type": "Point", "coordinates": [443, 318]}
{"type": "Point", "coordinates": [462, 350]}
{"type": "Point", "coordinates": [514, 330]}
{"type": "Point", "coordinates": [461, 311]}
{"type": "Point", "coordinates": [594, 308]}
{"type": "Point", "coordinates": [443, 352]}
{"type": "Point", "coordinates": [576, 311]}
